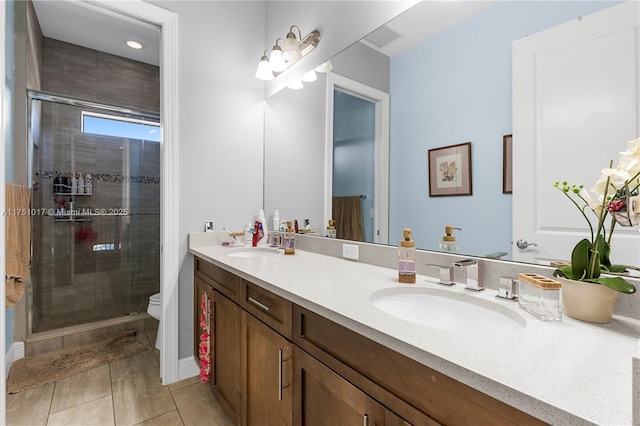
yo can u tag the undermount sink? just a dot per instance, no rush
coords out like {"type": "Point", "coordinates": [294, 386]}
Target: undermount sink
{"type": "Point", "coordinates": [448, 311]}
{"type": "Point", "coordinates": [253, 252]}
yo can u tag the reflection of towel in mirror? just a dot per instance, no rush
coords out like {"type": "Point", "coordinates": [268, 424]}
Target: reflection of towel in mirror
{"type": "Point", "coordinates": [18, 241]}
{"type": "Point", "coordinates": [347, 212]}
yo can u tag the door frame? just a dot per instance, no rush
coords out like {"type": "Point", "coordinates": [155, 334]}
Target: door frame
{"type": "Point", "coordinates": [169, 241]}
{"type": "Point", "coordinates": [381, 156]}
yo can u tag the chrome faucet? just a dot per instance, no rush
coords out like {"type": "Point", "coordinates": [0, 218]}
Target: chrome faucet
{"type": "Point", "coordinates": [472, 280]}
{"type": "Point", "coordinates": [445, 274]}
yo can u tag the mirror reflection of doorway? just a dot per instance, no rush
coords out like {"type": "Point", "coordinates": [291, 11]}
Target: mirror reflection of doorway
{"type": "Point", "coordinates": [353, 166]}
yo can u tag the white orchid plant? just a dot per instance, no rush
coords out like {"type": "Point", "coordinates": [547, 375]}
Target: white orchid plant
{"type": "Point", "coordinates": [609, 196]}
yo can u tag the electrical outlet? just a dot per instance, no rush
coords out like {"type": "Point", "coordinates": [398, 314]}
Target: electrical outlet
{"type": "Point", "coordinates": [350, 251]}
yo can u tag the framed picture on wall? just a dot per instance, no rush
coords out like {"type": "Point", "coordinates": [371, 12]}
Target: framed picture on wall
{"type": "Point", "coordinates": [507, 164]}
{"type": "Point", "coordinates": [450, 170]}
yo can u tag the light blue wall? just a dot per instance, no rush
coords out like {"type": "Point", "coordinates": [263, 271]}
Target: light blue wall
{"type": "Point", "coordinates": [455, 88]}
{"type": "Point", "coordinates": [8, 159]}
{"type": "Point", "coordinates": [353, 152]}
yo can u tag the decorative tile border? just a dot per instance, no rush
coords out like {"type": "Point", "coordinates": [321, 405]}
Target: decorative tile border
{"type": "Point", "coordinates": [103, 177]}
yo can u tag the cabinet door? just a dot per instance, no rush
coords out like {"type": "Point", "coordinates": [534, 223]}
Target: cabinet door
{"type": "Point", "coordinates": [226, 348]}
{"type": "Point", "coordinates": [267, 375]}
{"type": "Point", "coordinates": [324, 398]}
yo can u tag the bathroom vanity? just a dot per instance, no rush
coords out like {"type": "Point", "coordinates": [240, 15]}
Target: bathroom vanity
{"type": "Point", "coordinates": [297, 340]}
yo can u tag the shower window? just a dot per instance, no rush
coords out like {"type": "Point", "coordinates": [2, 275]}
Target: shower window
{"type": "Point", "coordinates": [112, 125]}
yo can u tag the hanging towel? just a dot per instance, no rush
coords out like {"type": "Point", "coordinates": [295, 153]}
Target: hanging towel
{"type": "Point", "coordinates": [18, 241]}
{"type": "Point", "coordinates": [347, 212]}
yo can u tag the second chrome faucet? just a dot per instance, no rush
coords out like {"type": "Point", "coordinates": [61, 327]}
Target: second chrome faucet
{"type": "Point", "coordinates": [472, 278]}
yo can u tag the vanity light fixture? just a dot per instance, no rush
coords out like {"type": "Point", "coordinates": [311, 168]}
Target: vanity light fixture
{"type": "Point", "coordinates": [325, 68]}
{"type": "Point", "coordinates": [292, 50]}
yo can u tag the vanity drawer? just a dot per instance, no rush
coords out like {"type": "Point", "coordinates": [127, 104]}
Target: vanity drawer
{"type": "Point", "coordinates": [225, 282]}
{"type": "Point", "coordinates": [268, 307]}
{"type": "Point", "coordinates": [409, 388]}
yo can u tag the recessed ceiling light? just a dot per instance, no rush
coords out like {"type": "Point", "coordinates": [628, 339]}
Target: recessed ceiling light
{"type": "Point", "coordinates": [134, 44]}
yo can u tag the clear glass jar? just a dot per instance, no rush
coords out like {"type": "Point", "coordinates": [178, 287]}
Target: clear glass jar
{"type": "Point", "coordinates": [540, 296]}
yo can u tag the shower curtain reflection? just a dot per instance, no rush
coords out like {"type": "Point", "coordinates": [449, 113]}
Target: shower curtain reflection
{"type": "Point", "coordinates": [95, 256]}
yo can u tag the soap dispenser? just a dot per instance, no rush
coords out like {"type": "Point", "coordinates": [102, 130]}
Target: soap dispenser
{"type": "Point", "coordinates": [407, 259]}
{"type": "Point", "coordinates": [289, 240]}
{"type": "Point", "coordinates": [448, 243]}
{"type": "Point", "coordinates": [331, 229]}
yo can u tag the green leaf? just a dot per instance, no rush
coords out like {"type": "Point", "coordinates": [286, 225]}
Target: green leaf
{"type": "Point", "coordinates": [618, 269]}
{"type": "Point", "coordinates": [566, 272]}
{"type": "Point", "coordinates": [603, 250]}
{"type": "Point", "coordinates": [580, 259]}
{"type": "Point", "coordinates": [615, 283]}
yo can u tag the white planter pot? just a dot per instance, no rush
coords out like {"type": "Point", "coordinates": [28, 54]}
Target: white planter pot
{"type": "Point", "coordinates": [588, 301]}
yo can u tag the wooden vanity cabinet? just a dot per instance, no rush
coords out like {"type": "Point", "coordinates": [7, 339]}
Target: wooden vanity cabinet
{"type": "Point", "coordinates": [225, 377]}
{"type": "Point", "coordinates": [324, 398]}
{"type": "Point", "coordinates": [267, 375]}
{"type": "Point", "coordinates": [276, 363]}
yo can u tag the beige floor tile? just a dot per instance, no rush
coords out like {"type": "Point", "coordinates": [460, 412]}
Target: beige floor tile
{"type": "Point", "coordinates": [140, 396]}
{"type": "Point", "coordinates": [133, 364]}
{"type": "Point", "coordinates": [29, 407]}
{"type": "Point", "coordinates": [152, 334]}
{"type": "Point", "coordinates": [198, 406]}
{"type": "Point", "coordinates": [182, 383]}
{"type": "Point", "coordinates": [98, 412]}
{"type": "Point", "coordinates": [172, 418]}
{"type": "Point", "coordinates": [81, 388]}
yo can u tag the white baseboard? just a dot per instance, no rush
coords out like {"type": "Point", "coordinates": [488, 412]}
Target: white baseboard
{"type": "Point", "coordinates": [187, 367]}
{"type": "Point", "coordinates": [15, 352]}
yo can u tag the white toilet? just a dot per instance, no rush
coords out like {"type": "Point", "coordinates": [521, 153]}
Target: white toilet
{"type": "Point", "coordinates": [155, 310]}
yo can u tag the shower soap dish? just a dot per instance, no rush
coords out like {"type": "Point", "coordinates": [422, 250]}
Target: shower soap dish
{"type": "Point", "coordinates": [540, 296]}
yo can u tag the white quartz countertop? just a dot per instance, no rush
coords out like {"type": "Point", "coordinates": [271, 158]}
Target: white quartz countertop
{"type": "Point", "coordinates": [567, 372]}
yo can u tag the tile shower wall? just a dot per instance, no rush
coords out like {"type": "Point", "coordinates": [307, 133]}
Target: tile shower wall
{"type": "Point", "coordinates": [108, 265]}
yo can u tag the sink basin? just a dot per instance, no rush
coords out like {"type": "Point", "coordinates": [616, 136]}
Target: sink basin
{"type": "Point", "coordinates": [448, 311]}
{"type": "Point", "coordinates": [253, 252]}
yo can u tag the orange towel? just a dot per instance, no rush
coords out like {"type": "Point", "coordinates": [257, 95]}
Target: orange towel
{"type": "Point", "coordinates": [18, 241]}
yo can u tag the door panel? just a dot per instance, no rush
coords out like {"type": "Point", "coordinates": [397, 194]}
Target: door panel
{"type": "Point", "coordinates": [575, 94]}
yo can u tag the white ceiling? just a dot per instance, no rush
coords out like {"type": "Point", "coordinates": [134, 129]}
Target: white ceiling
{"type": "Point", "coordinates": [81, 24]}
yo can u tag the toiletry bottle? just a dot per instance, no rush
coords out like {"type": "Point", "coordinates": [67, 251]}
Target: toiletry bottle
{"type": "Point", "coordinates": [248, 233]}
{"type": "Point", "coordinates": [276, 220]}
{"type": "Point", "coordinates": [307, 225]}
{"type": "Point", "coordinates": [263, 238]}
{"type": "Point", "coordinates": [256, 234]}
{"type": "Point", "coordinates": [407, 259]}
{"type": "Point", "coordinates": [74, 184]}
{"type": "Point", "coordinates": [289, 240]}
{"type": "Point", "coordinates": [331, 229]}
{"type": "Point", "coordinates": [56, 184]}
{"type": "Point", "coordinates": [448, 243]}
{"type": "Point", "coordinates": [80, 184]}
{"type": "Point", "coordinates": [88, 184]}
{"type": "Point", "coordinates": [295, 226]}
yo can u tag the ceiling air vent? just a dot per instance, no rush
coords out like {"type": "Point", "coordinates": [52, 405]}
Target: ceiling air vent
{"type": "Point", "coordinates": [382, 36]}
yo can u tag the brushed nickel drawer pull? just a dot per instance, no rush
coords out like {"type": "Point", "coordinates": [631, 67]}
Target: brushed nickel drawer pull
{"type": "Point", "coordinates": [279, 374]}
{"type": "Point", "coordinates": [259, 304]}
{"type": "Point", "coordinates": [365, 420]}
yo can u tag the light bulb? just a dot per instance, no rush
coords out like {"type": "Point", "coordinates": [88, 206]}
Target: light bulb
{"type": "Point", "coordinates": [264, 70]}
{"type": "Point", "coordinates": [276, 61]}
{"type": "Point", "coordinates": [310, 76]}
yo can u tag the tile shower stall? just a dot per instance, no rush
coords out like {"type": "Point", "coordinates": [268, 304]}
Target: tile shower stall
{"type": "Point", "coordinates": [95, 256]}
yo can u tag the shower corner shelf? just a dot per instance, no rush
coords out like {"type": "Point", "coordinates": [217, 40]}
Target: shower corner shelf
{"type": "Point", "coordinates": [71, 219]}
{"type": "Point", "coordinates": [69, 193]}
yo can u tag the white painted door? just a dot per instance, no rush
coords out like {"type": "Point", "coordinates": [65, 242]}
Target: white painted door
{"type": "Point", "coordinates": [575, 107]}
